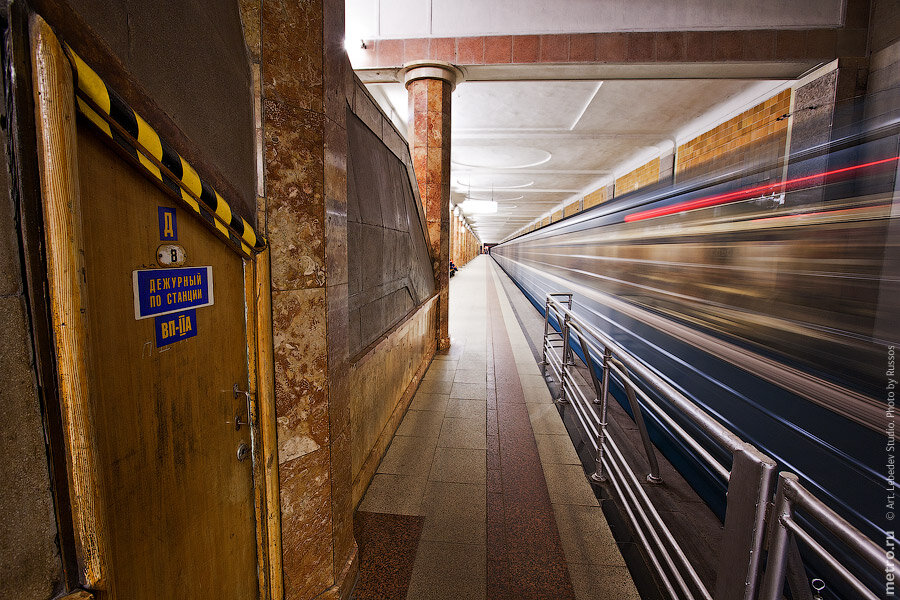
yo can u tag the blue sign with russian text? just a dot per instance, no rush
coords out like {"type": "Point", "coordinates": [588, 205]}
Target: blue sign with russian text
{"type": "Point", "coordinates": [168, 227]}
{"type": "Point", "coordinates": [165, 291]}
{"type": "Point", "coordinates": [176, 327]}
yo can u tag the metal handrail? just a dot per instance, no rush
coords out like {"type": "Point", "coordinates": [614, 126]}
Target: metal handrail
{"type": "Point", "coordinates": [750, 478]}
{"type": "Point", "coordinates": [792, 495]}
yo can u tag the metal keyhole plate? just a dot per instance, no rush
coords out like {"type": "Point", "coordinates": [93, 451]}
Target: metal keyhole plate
{"type": "Point", "coordinates": [243, 452]}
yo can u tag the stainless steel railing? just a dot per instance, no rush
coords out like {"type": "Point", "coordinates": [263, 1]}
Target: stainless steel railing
{"type": "Point", "coordinates": [750, 477]}
{"type": "Point", "coordinates": [783, 526]}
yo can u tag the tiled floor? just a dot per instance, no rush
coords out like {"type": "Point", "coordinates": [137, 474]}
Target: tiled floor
{"type": "Point", "coordinates": [484, 461]}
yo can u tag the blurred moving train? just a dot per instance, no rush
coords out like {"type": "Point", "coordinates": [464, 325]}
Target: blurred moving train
{"type": "Point", "coordinates": [768, 295]}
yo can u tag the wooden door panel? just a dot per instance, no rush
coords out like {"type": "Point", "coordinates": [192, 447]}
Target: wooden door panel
{"type": "Point", "coordinates": [178, 503]}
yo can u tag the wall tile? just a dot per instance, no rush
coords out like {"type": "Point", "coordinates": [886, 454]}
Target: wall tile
{"type": "Point", "coordinates": [821, 42]}
{"type": "Point", "coordinates": [554, 48]}
{"type": "Point", "coordinates": [610, 47]}
{"type": "Point", "coordinates": [470, 50]}
{"type": "Point", "coordinates": [295, 196]}
{"type": "Point", "coordinates": [790, 44]}
{"type": "Point", "coordinates": [728, 45]}
{"type": "Point", "coordinates": [670, 46]}
{"type": "Point", "coordinates": [758, 45]}
{"type": "Point", "coordinates": [390, 53]}
{"type": "Point", "coordinates": [526, 48]}
{"type": "Point", "coordinates": [300, 356]}
{"type": "Point", "coordinates": [700, 45]}
{"type": "Point", "coordinates": [582, 47]}
{"type": "Point", "coordinates": [415, 49]}
{"type": "Point", "coordinates": [442, 49]}
{"type": "Point", "coordinates": [306, 525]}
{"type": "Point", "coordinates": [498, 49]}
{"type": "Point", "coordinates": [640, 47]}
{"type": "Point", "coordinates": [292, 53]}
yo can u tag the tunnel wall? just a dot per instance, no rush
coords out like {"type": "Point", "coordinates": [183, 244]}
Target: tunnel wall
{"type": "Point", "coordinates": [751, 136]}
{"type": "Point", "coordinates": [644, 175]}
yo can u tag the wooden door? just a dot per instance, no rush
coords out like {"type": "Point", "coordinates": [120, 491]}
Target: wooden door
{"type": "Point", "coordinates": [178, 504]}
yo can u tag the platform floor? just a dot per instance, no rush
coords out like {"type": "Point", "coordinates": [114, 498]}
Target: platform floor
{"type": "Point", "coordinates": [481, 493]}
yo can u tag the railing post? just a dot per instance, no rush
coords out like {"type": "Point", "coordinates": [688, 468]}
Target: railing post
{"type": "Point", "coordinates": [565, 360]}
{"type": "Point", "coordinates": [546, 336]}
{"type": "Point", "coordinates": [604, 403]}
{"type": "Point", "coordinates": [653, 476]}
{"type": "Point", "coordinates": [749, 490]}
{"type": "Point", "coordinates": [779, 541]}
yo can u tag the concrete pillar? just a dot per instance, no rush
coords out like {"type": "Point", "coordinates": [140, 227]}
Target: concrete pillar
{"type": "Point", "coordinates": [430, 85]}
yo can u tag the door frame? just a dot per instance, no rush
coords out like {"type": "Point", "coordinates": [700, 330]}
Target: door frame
{"type": "Point", "coordinates": [55, 120]}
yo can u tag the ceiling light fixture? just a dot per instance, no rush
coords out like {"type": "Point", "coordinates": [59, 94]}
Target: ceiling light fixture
{"type": "Point", "coordinates": [479, 207]}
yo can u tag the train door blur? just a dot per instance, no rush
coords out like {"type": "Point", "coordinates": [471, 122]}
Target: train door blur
{"type": "Point", "coordinates": [172, 469]}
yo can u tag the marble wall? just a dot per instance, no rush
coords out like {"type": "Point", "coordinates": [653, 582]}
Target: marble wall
{"type": "Point", "coordinates": [382, 383]}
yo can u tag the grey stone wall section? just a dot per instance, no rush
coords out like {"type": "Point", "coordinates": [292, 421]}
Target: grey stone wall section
{"type": "Point", "coordinates": [389, 267]}
{"type": "Point", "coordinates": [667, 166]}
{"type": "Point", "coordinates": [814, 106]}
{"type": "Point", "coordinates": [883, 97]}
{"type": "Point", "coordinates": [30, 565]}
{"type": "Point", "coordinates": [885, 22]}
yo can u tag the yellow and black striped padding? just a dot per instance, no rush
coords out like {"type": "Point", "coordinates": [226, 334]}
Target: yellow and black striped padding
{"type": "Point", "coordinates": [106, 110]}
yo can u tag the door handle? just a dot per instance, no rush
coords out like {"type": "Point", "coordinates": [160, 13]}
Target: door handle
{"type": "Point", "coordinates": [238, 417]}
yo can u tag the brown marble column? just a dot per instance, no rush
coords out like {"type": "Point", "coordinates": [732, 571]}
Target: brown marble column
{"type": "Point", "coordinates": [430, 85]}
{"type": "Point", "coordinates": [304, 75]}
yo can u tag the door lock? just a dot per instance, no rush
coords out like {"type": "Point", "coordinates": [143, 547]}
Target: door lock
{"type": "Point", "coordinates": [243, 452]}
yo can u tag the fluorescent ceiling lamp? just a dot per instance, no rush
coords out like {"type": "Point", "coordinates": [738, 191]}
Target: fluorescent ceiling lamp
{"type": "Point", "coordinates": [479, 207]}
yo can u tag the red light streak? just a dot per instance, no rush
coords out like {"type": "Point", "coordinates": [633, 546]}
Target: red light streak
{"type": "Point", "coordinates": [719, 199]}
